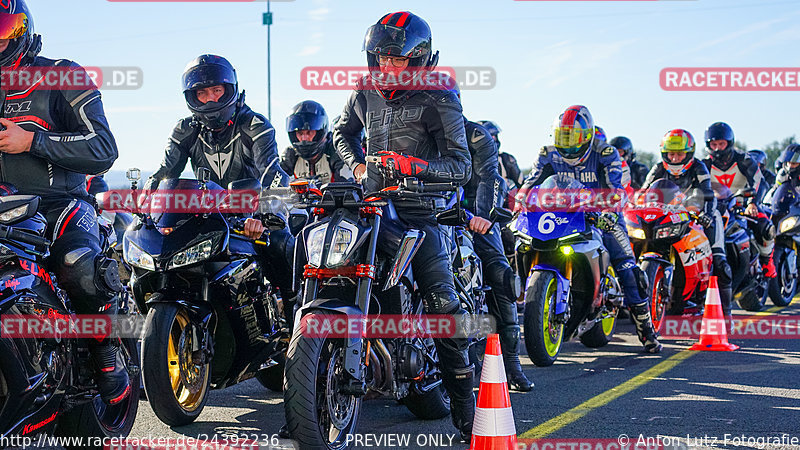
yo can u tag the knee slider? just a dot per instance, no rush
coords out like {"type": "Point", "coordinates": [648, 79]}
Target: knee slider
{"type": "Point", "coordinates": [91, 274]}
{"type": "Point", "coordinates": [437, 302]}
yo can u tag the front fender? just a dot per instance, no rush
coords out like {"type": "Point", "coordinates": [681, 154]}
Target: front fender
{"type": "Point", "coordinates": [352, 354]}
{"type": "Point", "coordinates": [562, 286]}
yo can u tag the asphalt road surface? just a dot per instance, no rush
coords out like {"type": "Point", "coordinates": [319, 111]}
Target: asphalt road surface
{"type": "Point", "coordinates": [749, 398]}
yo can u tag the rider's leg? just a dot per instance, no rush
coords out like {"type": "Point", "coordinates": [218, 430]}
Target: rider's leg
{"type": "Point", "coordinates": [634, 284]}
{"type": "Point", "coordinates": [502, 303]}
{"type": "Point", "coordinates": [92, 282]}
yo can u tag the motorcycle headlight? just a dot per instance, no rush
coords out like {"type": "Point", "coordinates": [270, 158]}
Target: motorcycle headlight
{"type": "Point", "coordinates": [669, 231]}
{"type": "Point", "coordinates": [343, 242]}
{"type": "Point", "coordinates": [137, 257]}
{"type": "Point", "coordinates": [13, 214]}
{"type": "Point", "coordinates": [194, 254]}
{"type": "Point", "coordinates": [316, 240]}
{"type": "Point", "coordinates": [787, 224]}
{"type": "Point", "coordinates": [636, 233]}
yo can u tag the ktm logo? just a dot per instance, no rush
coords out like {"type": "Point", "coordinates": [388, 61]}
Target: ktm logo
{"type": "Point", "coordinates": [727, 180]}
{"type": "Point", "coordinates": [14, 108]}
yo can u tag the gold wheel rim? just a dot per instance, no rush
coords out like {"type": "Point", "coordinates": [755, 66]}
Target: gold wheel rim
{"type": "Point", "coordinates": [189, 381]}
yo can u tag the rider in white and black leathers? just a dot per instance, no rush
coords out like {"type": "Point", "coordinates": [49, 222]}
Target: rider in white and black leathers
{"type": "Point", "coordinates": [420, 132]}
{"type": "Point", "coordinates": [577, 154]}
{"type": "Point", "coordinates": [52, 138]}
{"type": "Point", "coordinates": [736, 170]}
{"type": "Point", "coordinates": [312, 153]}
{"type": "Point", "coordinates": [234, 143]}
{"type": "Point", "coordinates": [688, 172]}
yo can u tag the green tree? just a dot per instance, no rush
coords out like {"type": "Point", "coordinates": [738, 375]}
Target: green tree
{"type": "Point", "coordinates": [649, 159]}
{"type": "Point", "coordinates": [774, 149]}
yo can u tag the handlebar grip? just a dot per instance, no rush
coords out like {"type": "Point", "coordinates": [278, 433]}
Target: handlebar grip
{"type": "Point", "coordinates": [21, 236]}
{"type": "Point", "coordinates": [438, 187]}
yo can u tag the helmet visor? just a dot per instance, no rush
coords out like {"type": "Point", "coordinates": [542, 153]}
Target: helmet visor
{"type": "Point", "coordinates": [207, 75]}
{"type": "Point", "coordinates": [569, 139]}
{"type": "Point", "coordinates": [676, 143]}
{"type": "Point", "coordinates": [13, 26]}
{"type": "Point", "coordinates": [305, 121]}
{"type": "Point", "coordinates": [393, 41]}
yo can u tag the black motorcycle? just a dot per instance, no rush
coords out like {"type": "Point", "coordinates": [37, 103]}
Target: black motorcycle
{"type": "Point", "coordinates": [786, 217]}
{"type": "Point", "coordinates": [356, 260]}
{"type": "Point", "coordinates": [212, 318]}
{"type": "Point", "coordinates": [749, 284]}
{"type": "Point", "coordinates": [46, 383]}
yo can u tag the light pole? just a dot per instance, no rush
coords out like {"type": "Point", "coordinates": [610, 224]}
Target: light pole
{"type": "Point", "coordinates": [268, 23]}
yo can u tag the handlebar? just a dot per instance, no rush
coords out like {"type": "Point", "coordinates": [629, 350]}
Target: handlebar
{"type": "Point", "coordinates": [7, 232]}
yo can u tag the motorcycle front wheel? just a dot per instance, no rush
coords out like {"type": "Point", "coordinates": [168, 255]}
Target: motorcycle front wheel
{"type": "Point", "coordinates": [543, 336]}
{"type": "Point", "coordinates": [176, 385]}
{"type": "Point", "coordinates": [318, 415]}
{"type": "Point", "coordinates": [783, 287]}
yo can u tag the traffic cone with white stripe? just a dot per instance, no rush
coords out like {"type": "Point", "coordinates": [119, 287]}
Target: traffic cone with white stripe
{"type": "Point", "coordinates": [493, 428]}
{"type": "Point", "coordinates": [713, 334]}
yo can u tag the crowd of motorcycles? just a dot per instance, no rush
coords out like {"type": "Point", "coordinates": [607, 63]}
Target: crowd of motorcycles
{"type": "Point", "coordinates": [213, 320]}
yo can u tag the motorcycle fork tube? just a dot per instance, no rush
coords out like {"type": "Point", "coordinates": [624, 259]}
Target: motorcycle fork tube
{"type": "Point", "coordinates": [354, 360]}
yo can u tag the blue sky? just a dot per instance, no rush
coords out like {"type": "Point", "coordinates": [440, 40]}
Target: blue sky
{"type": "Point", "coordinates": [547, 55]}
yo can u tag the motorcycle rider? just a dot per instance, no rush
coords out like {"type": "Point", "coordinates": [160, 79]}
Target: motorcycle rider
{"type": "Point", "coordinates": [50, 138]}
{"type": "Point", "coordinates": [420, 133]}
{"type": "Point", "coordinates": [233, 142]}
{"type": "Point", "coordinates": [486, 190]}
{"type": "Point", "coordinates": [736, 171]}
{"type": "Point", "coordinates": [576, 154]}
{"type": "Point", "coordinates": [638, 170]}
{"type": "Point", "coordinates": [312, 152]}
{"type": "Point", "coordinates": [507, 164]}
{"type": "Point", "coordinates": [760, 157]}
{"type": "Point", "coordinates": [509, 170]}
{"type": "Point", "coordinates": [679, 166]}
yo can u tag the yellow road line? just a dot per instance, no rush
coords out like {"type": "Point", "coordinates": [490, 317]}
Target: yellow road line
{"type": "Point", "coordinates": [558, 422]}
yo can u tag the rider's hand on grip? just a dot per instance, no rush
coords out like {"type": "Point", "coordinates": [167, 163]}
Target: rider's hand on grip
{"type": "Point", "coordinates": [405, 166]}
{"type": "Point", "coordinates": [704, 220]}
{"type": "Point", "coordinates": [607, 220]}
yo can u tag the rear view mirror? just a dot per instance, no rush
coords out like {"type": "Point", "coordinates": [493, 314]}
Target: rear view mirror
{"type": "Point", "coordinates": [501, 215]}
{"type": "Point", "coordinates": [452, 217]}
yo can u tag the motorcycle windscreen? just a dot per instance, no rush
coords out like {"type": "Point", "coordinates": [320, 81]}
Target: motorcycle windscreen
{"type": "Point", "coordinates": [411, 242]}
{"type": "Point", "coordinates": [178, 200]}
{"type": "Point", "coordinates": [546, 226]}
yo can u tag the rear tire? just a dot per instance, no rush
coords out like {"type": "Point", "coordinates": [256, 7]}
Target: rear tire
{"type": "Point", "coordinates": [272, 377]}
{"type": "Point", "coordinates": [543, 337]}
{"type": "Point", "coordinates": [600, 334]}
{"type": "Point", "coordinates": [431, 405]}
{"type": "Point", "coordinates": [98, 420]}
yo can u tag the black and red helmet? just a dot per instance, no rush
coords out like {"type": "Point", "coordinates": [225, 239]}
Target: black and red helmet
{"type": "Point", "coordinates": [16, 25]}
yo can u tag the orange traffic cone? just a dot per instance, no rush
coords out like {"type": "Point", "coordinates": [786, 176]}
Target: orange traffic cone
{"type": "Point", "coordinates": [493, 428]}
{"type": "Point", "coordinates": [713, 335]}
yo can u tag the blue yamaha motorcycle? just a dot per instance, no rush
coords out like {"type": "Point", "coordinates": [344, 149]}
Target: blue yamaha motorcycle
{"type": "Point", "coordinates": [571, 289]}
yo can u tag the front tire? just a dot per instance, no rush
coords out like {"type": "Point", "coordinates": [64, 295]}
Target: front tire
{"type": "Point", "coordinates": [783, 287]}
{"type": "Point", "coordinates": [317, 415]}
{"type": "Point", "coordinates": [98, 420]}
{"type": "Point", "coordinates": [176, 387]}
{"type": "Point", "coordinates": [543, 337]}
{"type": "Point", "coordinates": [659, 293]}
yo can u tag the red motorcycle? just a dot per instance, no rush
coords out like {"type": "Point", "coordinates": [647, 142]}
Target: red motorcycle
{"type": "Point", "coordinates": [672, 250]}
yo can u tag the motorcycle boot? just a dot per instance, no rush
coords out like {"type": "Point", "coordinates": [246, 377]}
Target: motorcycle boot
{"type": "Point", "coordinates": [644, 327]}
